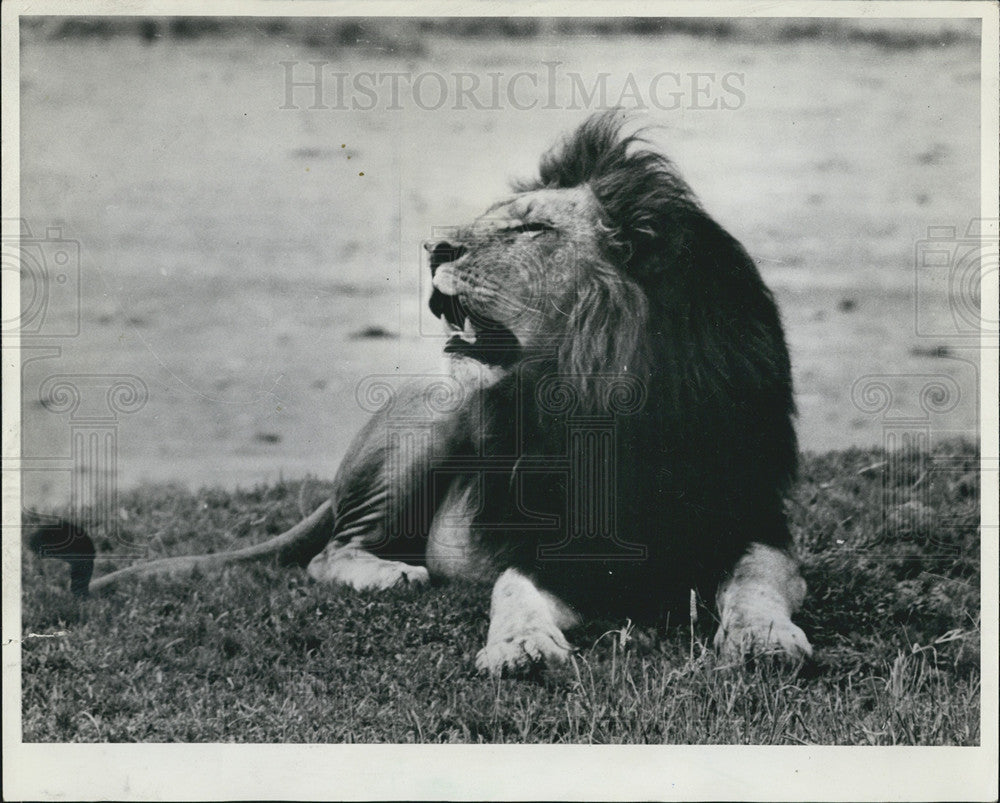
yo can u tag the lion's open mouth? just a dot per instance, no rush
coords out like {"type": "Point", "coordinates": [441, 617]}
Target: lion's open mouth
{"type": "Point", "coordinates": [476, 336]}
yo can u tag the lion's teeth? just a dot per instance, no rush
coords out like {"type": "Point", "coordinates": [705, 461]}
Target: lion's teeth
{"type": "Point", "coordinates": [468, 333]}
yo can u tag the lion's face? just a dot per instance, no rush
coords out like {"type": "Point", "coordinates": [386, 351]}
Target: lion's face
{"type": "Point", "coordinates": [505, 285]}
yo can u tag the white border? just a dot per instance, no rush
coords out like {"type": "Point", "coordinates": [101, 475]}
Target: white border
{"type": "Point", "coordinates": [422, 772]}
{"type": "Point", "coordinates": [500, 772]}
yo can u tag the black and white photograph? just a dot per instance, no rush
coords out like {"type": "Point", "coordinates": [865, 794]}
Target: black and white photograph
{"type": "Point", "coordinates": [500, 401]}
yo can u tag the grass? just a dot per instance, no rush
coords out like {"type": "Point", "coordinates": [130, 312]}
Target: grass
{"type": "Point", "coordinates": [890, 547]}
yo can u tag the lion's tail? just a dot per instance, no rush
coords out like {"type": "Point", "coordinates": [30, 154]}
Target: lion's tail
{"type": "Point", "coordinates": [70, 543]}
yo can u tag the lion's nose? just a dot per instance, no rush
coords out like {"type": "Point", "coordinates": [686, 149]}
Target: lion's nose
{"type": "Point", "coordinates": [442, 253]}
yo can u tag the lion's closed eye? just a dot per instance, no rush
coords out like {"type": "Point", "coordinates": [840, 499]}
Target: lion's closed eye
{"type": "Point", "coordinates": [534, 228]}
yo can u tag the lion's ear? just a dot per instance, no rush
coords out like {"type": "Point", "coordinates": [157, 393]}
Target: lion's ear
{"type": "Point", "coordinates": [683, 245]}
{"type": "Point", "coordinates": [651, 212]}
{"type": "Point", "coordinates": [650, 247]}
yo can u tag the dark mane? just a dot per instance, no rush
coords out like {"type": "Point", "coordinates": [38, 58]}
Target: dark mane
{"type": "Point", "coordinates": [680, 306]}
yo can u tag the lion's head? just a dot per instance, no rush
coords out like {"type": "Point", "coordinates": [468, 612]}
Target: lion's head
{"type": "Point", "coordinates": [540, 271]}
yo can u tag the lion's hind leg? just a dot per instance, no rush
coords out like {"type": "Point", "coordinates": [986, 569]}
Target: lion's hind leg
{"type": "Point", "coordinates": [526, 627]}
{"type": "Point", "coordinates": [756, 604]}
{"type": "Point", "coordinates": [351, 565]}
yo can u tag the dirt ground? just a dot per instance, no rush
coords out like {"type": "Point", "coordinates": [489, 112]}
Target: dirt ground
{"type": "Point", "coordinates": [252, 264]}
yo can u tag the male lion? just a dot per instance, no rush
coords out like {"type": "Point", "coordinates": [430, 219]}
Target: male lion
{"type": "Point", "coordinates": [618, 430]}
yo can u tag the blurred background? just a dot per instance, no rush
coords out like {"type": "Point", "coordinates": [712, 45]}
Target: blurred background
{"type": "Point", "coordinates": [222, 218]}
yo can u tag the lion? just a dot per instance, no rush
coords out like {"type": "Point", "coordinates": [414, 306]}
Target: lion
{"type": "Point", "coordinates": [617, 428]}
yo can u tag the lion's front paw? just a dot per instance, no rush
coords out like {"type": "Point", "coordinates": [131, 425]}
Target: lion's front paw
{"type": "Point", "coordinates": [781, 638]}
{"type": "Point", "coordinates": [518, 654]}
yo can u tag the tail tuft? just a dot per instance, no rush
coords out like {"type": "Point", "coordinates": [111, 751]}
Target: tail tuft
{"type": "Point", "coordinates": [62, 539]}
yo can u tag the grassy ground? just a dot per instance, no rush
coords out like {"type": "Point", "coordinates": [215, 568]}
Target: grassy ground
{"type": "Point", "coordinates": [890, 545]}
